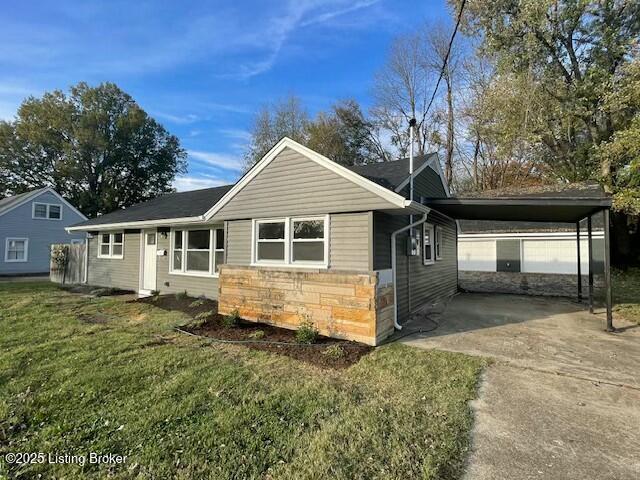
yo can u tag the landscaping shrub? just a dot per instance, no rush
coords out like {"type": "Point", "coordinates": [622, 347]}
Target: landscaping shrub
{"type": "Point", "coordinates": [334, 352]}
{"type": "Point", "coordinates": [231, 320]}
{"type": "Point", "coordinates": [307, 333]}
{"type": "Point", "coordinates": [181, 295]}
{"type": "Point", "coordinates": [257, 335]}
{"type": "Point", "coordinates": [197, 303]}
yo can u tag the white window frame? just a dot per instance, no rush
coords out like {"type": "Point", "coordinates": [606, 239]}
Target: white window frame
{"type": "Point", "coordinates": [6, 249]}
{"type": "Point", "coordinates": [288, 242]}
{"type": "Point", "coordinates": [213, 248]}
{"type": "Point", "coordinates": [438, 242]}
{"type": "Point", "coordinates": [111, 243]}
{"type": "Point", "coordinates": [431, 229]}
{"type": "Point", "coordinates": [48, 210]}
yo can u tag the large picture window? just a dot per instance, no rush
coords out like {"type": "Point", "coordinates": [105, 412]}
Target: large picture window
{"type": "Point", "coordinates": [291, 241]}
{"type": "Point", "coordinates": [428, 244]}
{"type": "Point", "coordinates": [111, 245]}
{"type": "Point", "coordinates": [197, 251]}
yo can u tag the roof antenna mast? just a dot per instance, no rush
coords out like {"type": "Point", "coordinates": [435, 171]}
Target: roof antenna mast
{"type": "Point", "coordinates": [412, 125]}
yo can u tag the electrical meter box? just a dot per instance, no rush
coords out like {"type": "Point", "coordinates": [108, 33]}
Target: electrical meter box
{"type": "Point", "coordinates": [413, 243]}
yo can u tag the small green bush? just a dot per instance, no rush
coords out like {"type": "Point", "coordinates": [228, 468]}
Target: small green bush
{"type": "Point", "coordinates": [334, 352]}
{"type": "Point", "coordinates": [257, 335]}
{"type": "Point", "coordinates": [231, 320]}
{"type": "Point", "coordinates": [205, 315]}
{"type": "Point", "coordinates": [307, 333]}
{"type": "Point", "coordinates": [197, 303]}
{"type": "Point", "coordinates": [181, 295]}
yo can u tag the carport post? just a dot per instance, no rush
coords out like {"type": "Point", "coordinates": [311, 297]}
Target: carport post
{"type": "Point", "coordinates": [590, 246]}
{"type": "Point", "coordinates": [579, 264]}
{"type": "Point", "coordinates": [607, 270]}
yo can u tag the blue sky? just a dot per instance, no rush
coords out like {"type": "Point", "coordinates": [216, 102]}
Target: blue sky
{"type": "Point", "coordinates": [203, 68]}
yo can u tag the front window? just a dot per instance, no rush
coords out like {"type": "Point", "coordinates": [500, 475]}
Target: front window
{"type": "Point", "coordinates": [47, 211]}
{"type": "Point", "coordinates": [197, 252]}
{"type": "Point", "coordinates": [111, 245]}
{"type": "Point", "coordinates": [307, 244]}
{"type": "Point", "coordinates": [427, 250]}
{"type": "Point", "coordinates": [271, 241]}
{"type": "Point", "coordinates": [291, 241]}
{"type": "Point", "coordinates": [16, 250]}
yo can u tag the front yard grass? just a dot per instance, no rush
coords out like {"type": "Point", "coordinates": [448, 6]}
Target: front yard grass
{"type": "Point", "coordinates": [80, 375]}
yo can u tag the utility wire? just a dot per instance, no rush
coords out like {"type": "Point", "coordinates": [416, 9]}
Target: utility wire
{"type": "Point", "coordinates": [446, 60]}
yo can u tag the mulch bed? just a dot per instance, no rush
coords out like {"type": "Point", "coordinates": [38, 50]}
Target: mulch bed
{"type": "Point", "coordinates": [314, 354]}
{"type": "Point", "coordinates": [94, 291]}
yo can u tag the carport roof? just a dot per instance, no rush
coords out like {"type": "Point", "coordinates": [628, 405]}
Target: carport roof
{"type": "Point", "coordinates": [568, 205]}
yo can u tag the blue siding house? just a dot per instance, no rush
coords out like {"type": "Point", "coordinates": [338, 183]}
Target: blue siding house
{"type": "Point", "coordinates": [29, 224]}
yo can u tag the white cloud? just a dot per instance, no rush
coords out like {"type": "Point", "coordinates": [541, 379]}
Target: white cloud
{"type": "Point", "coordinates": [179, 119]}
{"type": "Point", "coordinates": [220, 160]}
{"type": "Point", "coordinates": [186, 183]}
{"type": "Point", "coordinates": [236, 134]}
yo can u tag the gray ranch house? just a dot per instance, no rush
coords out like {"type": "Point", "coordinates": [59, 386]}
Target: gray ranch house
{"type": "Point", "coordinates": [29, 224]}
{"type": "Point", "coordinates": [298, 237]}
{"type": "Point", "coordinates": [355, 250]}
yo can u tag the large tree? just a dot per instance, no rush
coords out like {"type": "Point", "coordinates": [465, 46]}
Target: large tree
{"type": "Point", "coordinates": [95, 146]}
{"type": "Point", "coordinates": [342, 133]}
{"type": "Point", "coordinates": [566, 58]}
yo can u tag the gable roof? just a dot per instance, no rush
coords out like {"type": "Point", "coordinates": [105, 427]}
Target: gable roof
{"type": "Point", "coordinates": [9, 203]}
{"type": "Point", "coordinates": [202, 205]}
{"type": "Point", "coordinates": [396, 200]}
{"type": "Point", "coordinates": [181, 205]}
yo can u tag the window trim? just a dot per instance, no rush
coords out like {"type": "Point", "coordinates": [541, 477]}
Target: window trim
{"type": "Point", "coordinates": [431, 229]}
{"type": "Point", "coordinates": [288, 242]}
{"type": "Point", "coordinates": [437, 237]}
{"type": "Point", "coordinates": [111, 243]}
{"type": "Point", "coordinates": [26, 249]}
{"type": "Point", "coordinates": [48, 206]}
{"type": "Point", "coordinates": [213, 248]}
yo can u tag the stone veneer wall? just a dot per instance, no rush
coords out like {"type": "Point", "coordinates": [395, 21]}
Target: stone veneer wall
{"type": "Point", "coordinates": [340, 304]}
{"type": "Point", "coordinates": [538, 284]}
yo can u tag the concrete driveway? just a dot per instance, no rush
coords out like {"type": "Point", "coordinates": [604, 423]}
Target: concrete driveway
{"type": "Point", "coordinates": [562, 398]}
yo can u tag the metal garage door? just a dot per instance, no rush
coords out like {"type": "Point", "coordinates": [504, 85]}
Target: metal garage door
{"type": "Point", "coordinates": [479, 256]}
{"type": "Point", "coordinates": [553, 256]}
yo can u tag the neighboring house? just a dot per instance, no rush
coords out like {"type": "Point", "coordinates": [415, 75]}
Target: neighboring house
{"type": "Point", "coordinates": [297, 237]}
{"type": "Point", "coordinates": [29, 224]}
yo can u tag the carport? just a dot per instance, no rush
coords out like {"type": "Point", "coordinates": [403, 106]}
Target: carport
{"type": "Point", "coordinates": [562, 207]}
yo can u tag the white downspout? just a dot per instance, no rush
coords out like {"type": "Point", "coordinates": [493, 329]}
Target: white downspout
{"type": "Point", "coordinates": [393, 266]}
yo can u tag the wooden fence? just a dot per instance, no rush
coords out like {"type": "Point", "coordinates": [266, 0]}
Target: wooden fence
{"type": "Point", "coordinates": [67, 265]}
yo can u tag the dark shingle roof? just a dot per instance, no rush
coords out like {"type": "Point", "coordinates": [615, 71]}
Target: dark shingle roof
{"type": "Point", "coordinates": [198, 202]}
{"type": "Point", "coordinates": [172, 205]}
{"type": "Point", "coordinates": [390, 174]}
{"type": "Point", "coordinates": [569, 190]}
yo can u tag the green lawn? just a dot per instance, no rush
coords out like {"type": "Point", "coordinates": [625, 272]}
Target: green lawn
{"type": "Point", "coordinates": [626, 293]}
{"type": "Point", "coordinates": [179, 408]}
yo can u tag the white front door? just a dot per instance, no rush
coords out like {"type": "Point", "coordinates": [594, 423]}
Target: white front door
{"type": "Point", "coordinates": [150, 256]}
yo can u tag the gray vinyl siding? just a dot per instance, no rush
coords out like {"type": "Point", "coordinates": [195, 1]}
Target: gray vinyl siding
{"type": "Point", "coordinates": [426, 283]}
{"type": "Point", "coordinates": [238, 242]}
{"type": "Point", "coordinates": [41, 233]}
{"type": "Point", "coordinates": [167, 283]}
{"type": "Point", "coordinates": [350, 241]}
{"type": "Point", "coordinates": [426, 184]}
{"type": "Point", "coordinates": [292, 184]}
{"type": "Point", "coordinates": [113, 272]}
